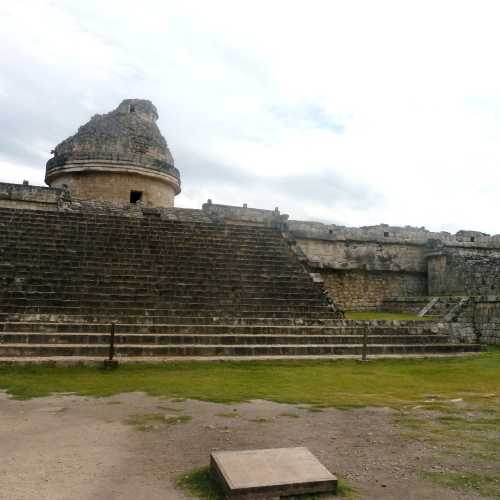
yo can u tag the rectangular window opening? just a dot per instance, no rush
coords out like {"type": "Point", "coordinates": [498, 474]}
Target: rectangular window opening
{"type": "Point", "coordinates": [135, 196]}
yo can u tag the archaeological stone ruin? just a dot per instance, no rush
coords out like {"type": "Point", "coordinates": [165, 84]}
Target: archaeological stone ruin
{"type": "Point", "coordinates": [120, 156]}
{"type": "Point", "coordinates": [103, 243]}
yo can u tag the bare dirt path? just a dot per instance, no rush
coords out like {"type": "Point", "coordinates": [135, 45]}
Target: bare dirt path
{"type": "Point", "coordinates": [134, 446]}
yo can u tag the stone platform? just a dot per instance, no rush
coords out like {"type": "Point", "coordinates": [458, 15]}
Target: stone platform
{"type": "Point", "coordinates": [270, 474]}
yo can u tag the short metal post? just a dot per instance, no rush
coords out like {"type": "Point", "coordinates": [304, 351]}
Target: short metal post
{"type": "Point", "coordinates": [112, 342]}
{"type": "Point", "coordinates": [110, 362]}
{"type": "Point", "coordinates": [364, 350]}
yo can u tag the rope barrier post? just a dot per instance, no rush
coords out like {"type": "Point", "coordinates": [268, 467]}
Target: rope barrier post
{"type": "Point", "coordinates": [111, 363]}
{"type": "Point", "coordinates": [364, 348]}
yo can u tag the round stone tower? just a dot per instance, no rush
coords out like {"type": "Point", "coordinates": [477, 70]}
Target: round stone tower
{"type": "Point", "coordinates": [119, 157]}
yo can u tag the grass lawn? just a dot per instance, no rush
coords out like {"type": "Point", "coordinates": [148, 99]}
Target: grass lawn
{"type": "Point", "coordinates": [344, 383]}
{"type": "Point", "coordinates": [383, 315]}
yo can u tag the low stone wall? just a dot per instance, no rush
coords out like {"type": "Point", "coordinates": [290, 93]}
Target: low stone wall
{"type": "Point", "coordinates": [483, 313]}
{"type": "Point", "coordinates": [466, 263]}
{"type": "Point", "coordinates": [467, 271]}
{"type": "Point", "coordinates": [244, 214]}
{"type": "Point", "coordinates": [367, 290]}
{"type": "Point", "coordinates": [24, 196]}
{"type": "Point", "coordinates": [461, 332]}
{"type": "Point", "coordinates": [364, 255]}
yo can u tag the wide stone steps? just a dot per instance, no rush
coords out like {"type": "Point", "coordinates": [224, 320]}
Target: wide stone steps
{"type": "Point", "coordinates": [180, 290]}
{"type": "Point", "coordinates": [110, 283]}
{"type": "Point", "coordinates": [119, 314]}
{"type": "Point", "coordinates": [97, 254]}
{"type": "Point", "coordinates": [7, 338]}
{"type": "Point", "coordinates": [151, 269]}
{"type": "Point", "coordinates": [122, 300]}
{"type": "Point", "coordinates": [207, 307]}
{"type": "Point", "coordinates": [154, 316]}
{"type": "Point", "coordinates": [83, 350]}
{"type": "Point", "coordinates": [155, 341]}
{"type": "Point", "coordinates": [155, 291]}
{"type": "Point", "coordinates": [342, 328]}
{"type": "Point", "coordinates": [175, 319]}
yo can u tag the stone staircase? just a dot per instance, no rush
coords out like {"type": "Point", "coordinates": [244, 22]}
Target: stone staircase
{"type": "Point", "coordinates": [177, 284]}
{"type": "Point", "coordinates": [90, 340]}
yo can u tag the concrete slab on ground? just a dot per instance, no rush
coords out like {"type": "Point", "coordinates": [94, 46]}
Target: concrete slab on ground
{"type": "Point", "coordinates": [271, 473]}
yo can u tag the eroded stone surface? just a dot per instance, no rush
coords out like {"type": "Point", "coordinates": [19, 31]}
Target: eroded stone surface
{"type": "Point", "coordinates": [271, 473]}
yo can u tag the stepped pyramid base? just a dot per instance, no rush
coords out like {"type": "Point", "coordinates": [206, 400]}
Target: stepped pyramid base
{"type": "Point", "coordinates": [179, 285]}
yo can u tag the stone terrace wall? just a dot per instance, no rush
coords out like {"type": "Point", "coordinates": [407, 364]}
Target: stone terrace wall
{"type": "Point", "coordinates": [483, 313]}
{"type": "Point", "coordinates": [365, 255]}
{"type": "Point", "coordinates": [384, 233]}
{"type": "Point", "coordinates": [244, 214]}
{"type": "Point", "coordinates": [466, 263]}
{"type": "Point", "coordinates": [468, 271]}
{"type": "Point", "coordinates": [31, 197]}
{"type": "Point", "coordinates": [367, 290]}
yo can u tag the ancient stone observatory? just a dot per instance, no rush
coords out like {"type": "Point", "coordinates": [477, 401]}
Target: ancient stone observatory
{"type": "Point", "coordinates": [117, 157]}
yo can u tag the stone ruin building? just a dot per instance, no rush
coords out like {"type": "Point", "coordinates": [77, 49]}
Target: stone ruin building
{"type": "Point", "coordinates": [104, 244]}
{"type": "Point", "coordinates": [119, 157]}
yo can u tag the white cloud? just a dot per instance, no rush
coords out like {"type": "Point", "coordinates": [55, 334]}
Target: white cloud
{"type": "Point", "coordinates": [413, 86]}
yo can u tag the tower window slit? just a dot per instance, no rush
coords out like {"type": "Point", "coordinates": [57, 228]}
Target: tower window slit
{"type": "Point", "coordinates": [135, 196]}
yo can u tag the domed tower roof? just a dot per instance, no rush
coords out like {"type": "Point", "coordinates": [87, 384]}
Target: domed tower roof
{"type": "Point", "coordinates": [126, 140]}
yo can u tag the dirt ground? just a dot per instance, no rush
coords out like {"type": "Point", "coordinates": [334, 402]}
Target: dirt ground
{"type": "Point", "coordinates": [134, 446]}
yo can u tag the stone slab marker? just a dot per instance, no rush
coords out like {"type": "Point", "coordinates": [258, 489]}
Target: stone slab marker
{"type": "Point", "coordinates": [269, 474]}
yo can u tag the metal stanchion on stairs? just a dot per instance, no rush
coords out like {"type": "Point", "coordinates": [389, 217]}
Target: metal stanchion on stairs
{"type": "Point", "coordinates": [111, 363]}
{"type": "Point", "coordinates": [364, 348]}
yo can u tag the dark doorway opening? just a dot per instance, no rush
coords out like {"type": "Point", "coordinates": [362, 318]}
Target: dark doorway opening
{"type": "Point", "coordinates": [135, 196]}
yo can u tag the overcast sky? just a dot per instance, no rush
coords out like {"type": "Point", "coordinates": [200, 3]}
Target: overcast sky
{"type": "Point", "coordinates": [350, 112]}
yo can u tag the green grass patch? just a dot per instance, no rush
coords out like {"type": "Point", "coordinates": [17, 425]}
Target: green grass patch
{"type": "Point", "coordinates": [155, 421]}
{"type": "Point", "coordinates": [396, 383]}
{"type": "Point", "coordinates": [383, 315]}
{"type": "Point", "coordinates": [484, 484]}
{"type": "Point", "coordinates": [199, 483]}
{"type": "Point", "coordinates": [345, 490]}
